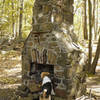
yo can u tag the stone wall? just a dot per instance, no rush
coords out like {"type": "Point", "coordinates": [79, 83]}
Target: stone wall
{"type": "Point", "coordinates": [52, 41]}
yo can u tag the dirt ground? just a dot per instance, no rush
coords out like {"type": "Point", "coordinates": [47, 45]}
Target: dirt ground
{"type": "Point", "coordinates": [10, 73]}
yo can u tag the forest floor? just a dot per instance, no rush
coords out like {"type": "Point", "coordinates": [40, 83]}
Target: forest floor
{"type": "Point", "coordinates": [10, 71]}
{"type": "Point", "coordinates": [93, 81]}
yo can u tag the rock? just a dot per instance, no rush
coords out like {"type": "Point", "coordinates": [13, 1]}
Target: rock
{"type": "Point", "coordinates": [69, 72]}
{"type": "Point", "coordinates": [51, 58]}
{"type": "Point", "coordinates": [22, 91]}
{"type": "Point", "coordinates": [57, 98]}
{"type": "Point", "coordinates": [46, 27]}
{"type": "Point", "coordinates": [85, 97]}
{"type": "Point", "coordinates": [58, 18]}
{"type": "Point", "coordinates": [26, 98]}
{"type": "Point", "coordinates": [22, 87]}
{"type": "Point", "coordinates": [60, 93]}
{"type": "Point", "coordinates": [47, 9]}
{"type": "Point", "coordinates": [42, 27]}
{"type": "Point", "coordinates": [33, 86]}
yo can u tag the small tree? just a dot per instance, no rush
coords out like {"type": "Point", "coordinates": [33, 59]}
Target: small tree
{"type": "Point", "coordinates": [21, 18]}
{"type": "Point", "coordinates": [97, 11]}
{"type": "Point", "coordinates": [90, 34]}
{"type": "Point", "coordinates": [85, 22]}
{"type": "Point", "coordinates": [95, 61]}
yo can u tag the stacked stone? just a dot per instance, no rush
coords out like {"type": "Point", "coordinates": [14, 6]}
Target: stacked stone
{"type": "Point", "coordinates": [52, 41]}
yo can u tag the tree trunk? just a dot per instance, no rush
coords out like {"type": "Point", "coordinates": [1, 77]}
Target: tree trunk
{"type": "Point", "coordinates": [17, 19]}
{"type": "Point", "coordinates": [13, 22]}
{"type": "Point", "coordinates": [21, 18]}
{"type": "Point", "coordinates": [3, 6]}
{"type": "Point", "coordinates": [96, 20]}
{"type": "Point", "coordinates": [90, 34]}
{"type": "Point", "coordinates": [95, 61]}
{"type": "Point", "coordinates": [85, 22]}
{"type": "Point", "coordinates": [93, 21]}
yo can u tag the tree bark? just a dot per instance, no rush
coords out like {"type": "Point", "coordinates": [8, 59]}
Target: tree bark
{"type": "Point", "coordinates": [90, 34]}
{"type": "Point", "coordinates": [93, 22]}
{"type": "Point", "coordinates": [13, 22]}
{"type": "Point", "coordinates": [85, 22]}
{"type": "Point", "coordinates": [95, 61]}
{"type": "Point", "coordinates": [96, 20]}
{"type": "Point", "coordinates": [3, 6]}
{"type": "Point", "coordinates": [17, 19]}
{"type": "Point", "coordinates": [21, 18]}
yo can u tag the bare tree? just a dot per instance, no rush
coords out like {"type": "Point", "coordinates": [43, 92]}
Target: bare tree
{"type": "Point", "coordinates": [85, 22]}
{"type": "Point", "coordinates": [95, 61]}
{"type": "Point", "coordinates": [3, 6]}
{"type": "Point", "coordinates": [97, 2]}
{"type": "Point", "coordinates": [21, 18]}
{"type": "Point", "coordinates": [13, 22]}
{"type": "Point", "coordinates": [93, 19]}
{"type": "Point", "coordinates": [17, 20]}
{"type": "Point", "coordinates": [90, 34]}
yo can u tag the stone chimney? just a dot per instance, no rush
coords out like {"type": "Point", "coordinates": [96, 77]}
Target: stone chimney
{"type": "Point", "coordinates": [52, 46]}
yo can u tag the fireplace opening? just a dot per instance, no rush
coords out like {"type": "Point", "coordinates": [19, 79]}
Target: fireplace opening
{"type": "Point", "coordinates": [36, 69]}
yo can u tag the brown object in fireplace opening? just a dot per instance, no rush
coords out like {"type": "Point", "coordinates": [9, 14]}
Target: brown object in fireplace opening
{"type": "Point", "coordinates": [39, 68]}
